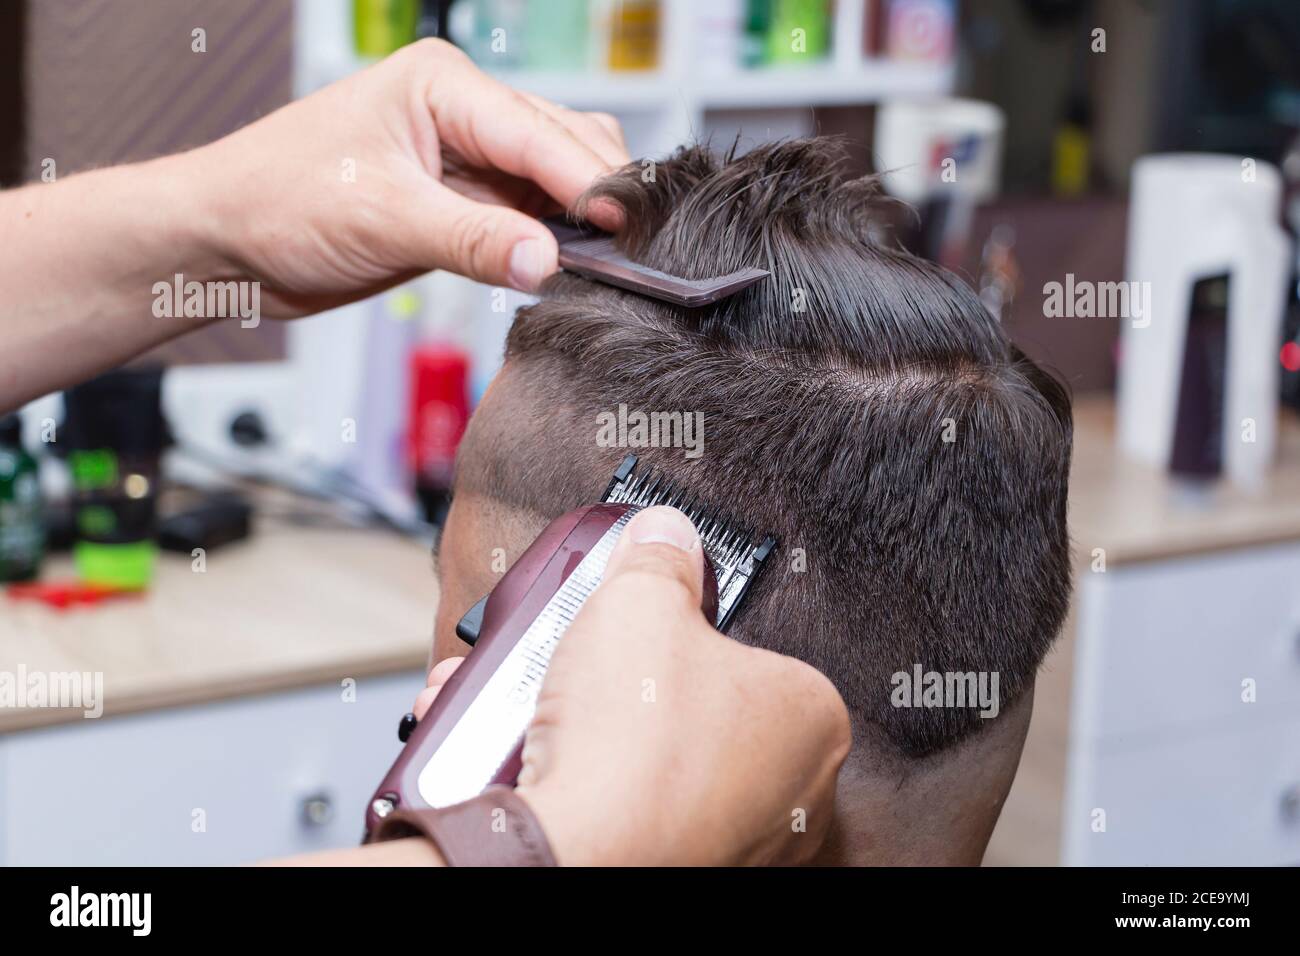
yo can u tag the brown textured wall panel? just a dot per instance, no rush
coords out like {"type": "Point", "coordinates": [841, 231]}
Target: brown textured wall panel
{"type": "Point", "coordinates": [12, 117]}
{"type": "Point", "coordinates": [1085, 237]}
{"type": "Point", "coordinates": [111, 81]}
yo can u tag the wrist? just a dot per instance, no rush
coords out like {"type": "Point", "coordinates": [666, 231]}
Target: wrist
{"type": "Point", "coordinates": [573, 836]}
{"type": "Point", "coordinates": [160, 218]}
{"type": "Point", "coordinates": [200, 222]}
{"type": "Point", "coordinates": [495, 828]}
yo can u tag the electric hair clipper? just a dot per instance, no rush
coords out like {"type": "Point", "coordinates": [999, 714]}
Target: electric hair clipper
{"type": "Point", "coordinates": [473, 734]}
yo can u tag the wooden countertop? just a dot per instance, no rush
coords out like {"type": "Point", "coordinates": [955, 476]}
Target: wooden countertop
{"type": "Point", "coordinates": [1140, 513]}
{"type": "Point", "coordinates": [290, 607]}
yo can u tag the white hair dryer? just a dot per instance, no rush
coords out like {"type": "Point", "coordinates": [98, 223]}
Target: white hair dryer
{"type": "Point", "coordinates": [1198, 382]}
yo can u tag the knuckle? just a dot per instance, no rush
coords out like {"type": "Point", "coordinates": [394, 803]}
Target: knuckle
{"type": "Point", "coordinates": [821, 693]}
{"type": "Point", "coordinates": [436, 48]}
{"type": "Point", "coordinates": [476, 242]}
{"type": "Point", "coordinates": [541, 123]}
{"type": "Point", "coordinates": [610, 123]}
{"type": "Point", "coordinates": [825, 713]}
{"type": "Point", "coordinates": [547, 129]}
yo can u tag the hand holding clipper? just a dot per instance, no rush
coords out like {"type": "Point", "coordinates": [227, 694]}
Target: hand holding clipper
{"type": "Point", "coordinates": [658, 741]}
{"type": "Point", "coordinates": [473, 735]}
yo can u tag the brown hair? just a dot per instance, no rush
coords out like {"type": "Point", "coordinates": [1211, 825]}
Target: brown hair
{"type": "Point", "coordinates": [861, 404]}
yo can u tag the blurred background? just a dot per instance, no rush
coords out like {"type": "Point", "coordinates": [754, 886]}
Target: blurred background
{"type": "Point", "coordinates": [234, 531]}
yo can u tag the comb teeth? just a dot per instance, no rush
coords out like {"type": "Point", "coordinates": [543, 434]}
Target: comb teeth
{"type": "Point", "coordinates": [736, 558]}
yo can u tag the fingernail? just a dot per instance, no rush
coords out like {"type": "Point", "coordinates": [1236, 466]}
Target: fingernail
{"type": "Point", "coordinates": [607, 214]}
{"type": "Point", "coordinates": [663, 525]}
{"type": "Point", "coordinates": [526, 265]}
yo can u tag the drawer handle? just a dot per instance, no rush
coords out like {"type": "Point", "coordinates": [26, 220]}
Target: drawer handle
{"type": "Point", "coordinates": [317, 809]}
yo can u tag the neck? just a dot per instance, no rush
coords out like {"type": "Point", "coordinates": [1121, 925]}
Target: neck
{"type": "Point", "coordinates": [936, 811]}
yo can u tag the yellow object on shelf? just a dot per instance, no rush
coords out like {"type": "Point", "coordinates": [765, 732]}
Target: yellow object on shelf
{"type": "Point", "coordinates": [634, 35]}
{"type": "Point", "coordinates": [1070, 161]}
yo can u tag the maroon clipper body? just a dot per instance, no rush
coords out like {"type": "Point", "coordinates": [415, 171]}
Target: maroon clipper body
{"type": "Point", "coordinates": [473, 734]}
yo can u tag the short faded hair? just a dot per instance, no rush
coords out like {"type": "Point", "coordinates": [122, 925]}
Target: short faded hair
{"type": "Point", "coordinates": [861, 404]}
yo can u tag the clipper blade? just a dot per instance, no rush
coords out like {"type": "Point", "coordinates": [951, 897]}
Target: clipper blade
{"type": "Point", "coordinates": [736, 555]}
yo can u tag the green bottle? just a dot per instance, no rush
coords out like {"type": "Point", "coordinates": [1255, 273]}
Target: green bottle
{"type": "Point", "coordinates": [380, 27]}
{"type": "Point", "coordinates": [798, 32]}
{"type": "Point", "coordinates": [22, 528]}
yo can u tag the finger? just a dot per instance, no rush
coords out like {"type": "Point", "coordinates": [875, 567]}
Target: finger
{"type": "Point", "coordinates": [437, 678]}
{"type": "Point", "coordinates": [615, 130]}
{"type": "Point", "coordinates": [443, 670]}
{"type": "Point", "coordinates": [653, 581]}
{"type": "Point", "coordinates": [809, 693]}
{"type": "Point", "coordinates": [661, 547]}
{"type": "Point", "coordinates": [600, 131]}
{"type": "Point", "coordinates": [489, 243]}
{"type": "Point", "coordinates": [603, 133]}
{"type": "Point", "coordinates": [424, 700]}
{"type": "Point", "coordinates": [493, 126]}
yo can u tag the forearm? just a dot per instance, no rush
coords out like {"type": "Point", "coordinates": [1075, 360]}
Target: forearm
{"type": "Point", "coordinates": [413, 851]}
{"type": "Point", "coordinates": [79, 259]}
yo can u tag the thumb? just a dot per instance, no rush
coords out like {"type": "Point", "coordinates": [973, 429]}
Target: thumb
{"type": "Point", "coordinates": [485, 242]}
{"type": "Point", "coordinates": [660, 552]}
{"type": "Point", "coordinates": [653, 582]}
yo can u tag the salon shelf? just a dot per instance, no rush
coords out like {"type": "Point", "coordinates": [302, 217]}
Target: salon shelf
{"type": "Point", "coordinates": [763, 88]}
{"type": "Point", "coordinates": [687, 83]}
{"type": "Point", "coordinates": [872, 81]}
{"type": "Point", "coordinates": [737, 89]}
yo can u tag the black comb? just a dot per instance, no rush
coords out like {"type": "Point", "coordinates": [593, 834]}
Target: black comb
{"type": "Point", "coordinates": [736, 558]}
{"type": "Point", "coordinates": [592, 254]}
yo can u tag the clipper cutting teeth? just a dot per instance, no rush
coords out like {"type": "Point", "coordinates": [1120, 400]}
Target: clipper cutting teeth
{"type": "Point", "coordinates": [736, 557]}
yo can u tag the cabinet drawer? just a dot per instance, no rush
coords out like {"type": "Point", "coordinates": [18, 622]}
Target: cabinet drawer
{"type": "Point", "coordinates": [1167, 645]}
{"type": "Point", "coordinates": [1214, 798]}
{"type": "Point", "coordinates": [125, 790]}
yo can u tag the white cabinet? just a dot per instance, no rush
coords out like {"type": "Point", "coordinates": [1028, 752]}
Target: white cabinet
{"type": "Point", "coordinates": [131, 789]}
{"type": "Point", "coordinates": [1208, 798]}
{"type": "Point", "coordinates": [1163, 740]}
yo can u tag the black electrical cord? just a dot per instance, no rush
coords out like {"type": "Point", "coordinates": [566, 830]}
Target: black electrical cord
{"type": "Point", "coordinates": [337, 487]}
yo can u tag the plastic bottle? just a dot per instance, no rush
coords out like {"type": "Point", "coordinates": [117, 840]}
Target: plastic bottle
{"type": "Point", "coordinates": [22, 530]}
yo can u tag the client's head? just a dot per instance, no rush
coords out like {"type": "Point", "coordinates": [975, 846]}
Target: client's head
{"type": "Point", "coordinates": [861, 405]}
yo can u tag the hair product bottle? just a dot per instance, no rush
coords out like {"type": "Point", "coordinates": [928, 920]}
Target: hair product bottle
{"type": "Point", "coordinates": [22, 532]}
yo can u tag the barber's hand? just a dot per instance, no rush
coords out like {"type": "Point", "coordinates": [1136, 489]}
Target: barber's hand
{"type": "Point", "coordinates": [420, 162]}
{"type": "Point", "coordinates": [659, 741]}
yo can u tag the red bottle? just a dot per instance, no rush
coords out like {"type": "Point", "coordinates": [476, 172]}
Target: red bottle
{"type": "Point", "coordinates": [439, 413]}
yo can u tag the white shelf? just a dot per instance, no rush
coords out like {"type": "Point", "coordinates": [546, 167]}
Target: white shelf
{"type": "Point", "coordinates": [595, 90]}
{"type": "Point", "coordinates": [772, 87]}
{"type": "Point", "coordinates": [819, 85]}
{"type": "Point", "coordinates": [870, 82]}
